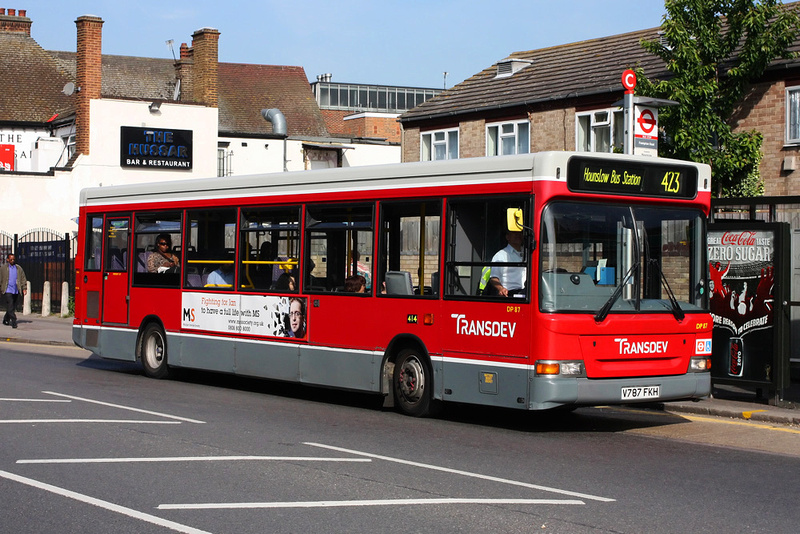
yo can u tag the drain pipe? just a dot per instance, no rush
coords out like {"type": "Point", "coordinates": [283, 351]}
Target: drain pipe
{"type": "Point", "coordinates": [278, 121]}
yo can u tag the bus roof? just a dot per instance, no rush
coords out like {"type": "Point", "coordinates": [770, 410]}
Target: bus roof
{"type": "Point", "coordinates": [506, 169]}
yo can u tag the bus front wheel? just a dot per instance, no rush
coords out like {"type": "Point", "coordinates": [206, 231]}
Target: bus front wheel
{"type": "Point", "coordinates": [153, 352]}
{"type": "Point", "coordinates": [413, 381]}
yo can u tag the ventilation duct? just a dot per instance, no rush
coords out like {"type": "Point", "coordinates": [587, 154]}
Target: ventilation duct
{"type": "Point", "coordinates": [277, 119]}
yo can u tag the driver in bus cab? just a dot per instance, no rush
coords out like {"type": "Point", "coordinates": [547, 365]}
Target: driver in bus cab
{"type": "Point", "coordinates": [505, 281]}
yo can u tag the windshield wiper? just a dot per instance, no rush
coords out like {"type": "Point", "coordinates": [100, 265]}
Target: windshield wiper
{"type": "Point", "coordinates": [603, 313]}
{"type": "Point", "coordinates": [677, 311]}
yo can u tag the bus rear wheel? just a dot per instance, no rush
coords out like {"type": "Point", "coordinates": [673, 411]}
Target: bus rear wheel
{"type": "Point", "coordinates": [153, 352]}
{"type": "Point", "coordinates": [413, 381]}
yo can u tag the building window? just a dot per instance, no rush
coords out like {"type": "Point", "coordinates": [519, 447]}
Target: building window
{"type": "Point", "coordinates": [376, 98]}
{"type": "Point", "coordinates": [503, 139]}
{"type": "Point", "coordinates": [793, 115]}
{"type": "Point", "coordinates": [69, 142]}
{"type": "Point", "coordinates": [224, 160]}
{"type": "Point", "coordinates": [600, 131]}
{"type": "Point", "coordinates": [439, 145]}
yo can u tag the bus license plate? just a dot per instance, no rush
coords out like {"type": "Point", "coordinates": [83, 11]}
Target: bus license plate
{"type": "Point", "coordinates": [641, 392]}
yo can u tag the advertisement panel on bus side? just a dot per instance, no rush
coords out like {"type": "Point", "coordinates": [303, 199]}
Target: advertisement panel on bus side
{"type": "Point", "coordinates": [262, 315]}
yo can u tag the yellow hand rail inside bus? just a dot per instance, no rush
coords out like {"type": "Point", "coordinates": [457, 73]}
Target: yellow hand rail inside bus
{"type": "Point", "coordinates": [286, 265]}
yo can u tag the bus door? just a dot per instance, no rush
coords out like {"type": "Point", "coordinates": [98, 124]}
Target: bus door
{"type": "Point", "coordinates": [486, 321]}
{"type": "Point", "coordinates": [115, 270]}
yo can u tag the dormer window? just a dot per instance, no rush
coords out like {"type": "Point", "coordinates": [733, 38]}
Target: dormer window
{"type": "Point", "coordinates": [510, 66]}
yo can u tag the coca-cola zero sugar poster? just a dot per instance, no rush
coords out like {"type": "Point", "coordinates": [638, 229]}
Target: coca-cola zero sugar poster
{"type": "Point", "coordinates": [742, 299]}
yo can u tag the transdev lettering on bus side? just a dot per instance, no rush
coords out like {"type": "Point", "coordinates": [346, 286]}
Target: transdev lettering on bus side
{"type": "Point", "coordinates": [467, 327]}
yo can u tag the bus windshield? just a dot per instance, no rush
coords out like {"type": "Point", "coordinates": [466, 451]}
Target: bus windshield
{"type": "Point", "coordinates": [606, 258]}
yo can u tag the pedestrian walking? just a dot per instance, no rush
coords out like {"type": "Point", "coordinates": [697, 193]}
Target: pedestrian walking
{"type": "Point", "coordinates": [13, 283]}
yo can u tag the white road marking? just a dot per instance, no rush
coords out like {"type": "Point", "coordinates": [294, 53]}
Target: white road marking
{"type": "Point", "coordinates": [34, 400]}
{"type": "Point", "coordinates": [139, 410]}
{"type": "Point", "coordinates": [125, 421]}
{"type": "Point", "coordinates": [464, 473]}
{"type": "Point", "coordinates": [189, 459]}
{"type": "Point", "coordinates": [103, 504]}
{"type": "Point", "coordinates": [382, 502]}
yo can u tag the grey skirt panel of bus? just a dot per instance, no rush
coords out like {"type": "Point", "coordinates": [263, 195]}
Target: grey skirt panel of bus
{"type": "Point", "coordinates": [112, 343]}
{"type": "Point", "coordinates": [357, 370]}
{"type": "Point", "coordinates": [484, 383]}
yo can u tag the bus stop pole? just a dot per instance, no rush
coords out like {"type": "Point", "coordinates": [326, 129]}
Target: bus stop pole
{"type": "Point", "coordinates": [629, 83]}
{"type": "Point", "coordinates": [628, 114]}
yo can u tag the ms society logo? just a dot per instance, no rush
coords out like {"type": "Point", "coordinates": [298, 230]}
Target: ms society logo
{"type": "Point", "coordinates": [188, 315]}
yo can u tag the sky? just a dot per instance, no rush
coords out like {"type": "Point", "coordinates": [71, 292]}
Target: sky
{"type": "Point", "coordinates": [390, 42]}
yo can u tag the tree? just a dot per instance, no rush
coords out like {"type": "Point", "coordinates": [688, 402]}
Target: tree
{"type": "Point", "coordinates": [713, 49]}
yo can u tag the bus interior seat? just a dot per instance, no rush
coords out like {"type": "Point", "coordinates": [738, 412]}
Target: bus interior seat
{"type": "Point", "coordinates": [399, 283]}
{"type": "Point", "coordinates": [196, 279]}
{"type": "Point", "coordinates": [141, 261]}
{"type": "Point", "coordinates": [116, 260]}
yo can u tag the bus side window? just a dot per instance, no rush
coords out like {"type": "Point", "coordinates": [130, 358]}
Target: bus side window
{"type": "Point", "coordinates": [154, 265]}
{"type": "Point", "coordinates": [211, 238]}
{"type": "Point", "coordinates": [486, 258]}
{"type": "Point", "coordinates": [269, 249]}
{"type": "Point", "coordinates": [93, 250]}
{"type": "Point", "coordinates": [409, 248]}
{"type": "Point", "coordinates": [338, 244]}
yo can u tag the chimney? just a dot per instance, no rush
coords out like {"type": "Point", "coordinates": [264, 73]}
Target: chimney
{"type": "Point", "coordinates": [88, 75]}
{"type": "Point", "coordinates": [205, 48]}
{"type": "Point", "coordinates": [14, 22]}
{"type": "Point", "coordinates": [183, 72]}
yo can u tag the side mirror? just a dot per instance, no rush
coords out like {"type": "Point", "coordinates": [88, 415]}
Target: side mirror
{"type": "Point", "coordinates": [514, 221]}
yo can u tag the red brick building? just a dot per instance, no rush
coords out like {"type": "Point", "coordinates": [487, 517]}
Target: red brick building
{"type": "Point", "coordinates": [563, 98]}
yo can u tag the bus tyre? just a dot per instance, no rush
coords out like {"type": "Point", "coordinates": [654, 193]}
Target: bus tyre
{"type": "Point", "coordinates": [413, 383]}
{"type": "Point", "coordinates": [153, 352]}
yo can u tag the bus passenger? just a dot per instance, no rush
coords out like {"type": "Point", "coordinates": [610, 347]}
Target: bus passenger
{"type": "Point", "coordinates": [297, 318]}
{"type": "Point", "coordinates": [505, 281]}
{"type": "Point", "coordinates": [163, 260]}
{"type": "Point", "coordinates": [355, 284]}
{"type": "Point", "coordinates": [264, 272]}
{"type": "Point", "coordinates": [285, 282]}
{"type": "Point", "coordinates": [221, 277]}
{"type": "Point", "coordinates": [362, 269]}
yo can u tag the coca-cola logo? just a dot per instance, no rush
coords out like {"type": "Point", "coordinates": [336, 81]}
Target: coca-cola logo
{"type": "Point", "coordinates": [746, 238]}
{"type": "Point", "coordinates": [736, 359]}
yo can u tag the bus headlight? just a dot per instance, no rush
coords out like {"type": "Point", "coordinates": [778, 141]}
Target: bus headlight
{"type": "Point", "coordinates": [699, 364]}
{"type": "Point", "coordinates": [559, 368]}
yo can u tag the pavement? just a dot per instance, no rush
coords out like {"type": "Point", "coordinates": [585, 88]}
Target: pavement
{"type": "Point", "coordinates": [726, 401]}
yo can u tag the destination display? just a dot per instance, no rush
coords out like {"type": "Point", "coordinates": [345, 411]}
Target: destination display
{"type": "Point", "coordinates": [636, 179]}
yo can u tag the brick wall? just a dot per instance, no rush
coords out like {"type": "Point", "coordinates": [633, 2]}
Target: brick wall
{"type": "Point", "coordinates": [382, 127]}
{"type": "Point", "coordinates": [472, 139]}
{"type": "Point", "coordinates": [764, 109]}
{"type": "Point", "coordinates": [410, 144]}
{"type": "Point", "coordinates": [553, 129]}
{"type": "Point", "coordinates": [387, 128]}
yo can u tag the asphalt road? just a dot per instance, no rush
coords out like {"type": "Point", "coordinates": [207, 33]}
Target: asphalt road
{"type": "Point", "coordinates": [89, 446]}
